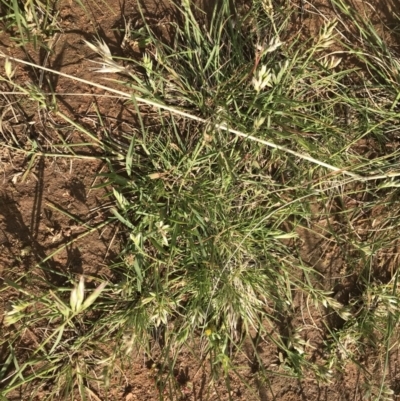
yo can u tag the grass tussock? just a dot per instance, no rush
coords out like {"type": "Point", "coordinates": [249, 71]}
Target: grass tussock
{"type": "Point", "coordinates": [258, 140]}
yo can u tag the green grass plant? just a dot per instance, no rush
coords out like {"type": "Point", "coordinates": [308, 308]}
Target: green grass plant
{"type": "Point", "coordinates": [256, 140]}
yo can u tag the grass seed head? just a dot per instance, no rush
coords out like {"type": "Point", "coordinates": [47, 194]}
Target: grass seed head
{"type": "Point", "coordinates": [273, 45]}
{"type": "Point", "coordinates": [77, 295]}
{"type": "Point", "coordinates": [8, 68]}
{"type": "Point", "coordinates": [262, 79]}
{"type": "Point", "coordinates": [108, 64]}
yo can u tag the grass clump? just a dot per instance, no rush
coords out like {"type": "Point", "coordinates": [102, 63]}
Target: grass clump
{"type": "Point", "coordinates": [207, 212]}
{"type": "Point", "coordinates": [257, 143]}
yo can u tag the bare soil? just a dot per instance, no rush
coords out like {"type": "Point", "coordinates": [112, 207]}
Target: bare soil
{"type": "Point", "coordinates": [40, 210]}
